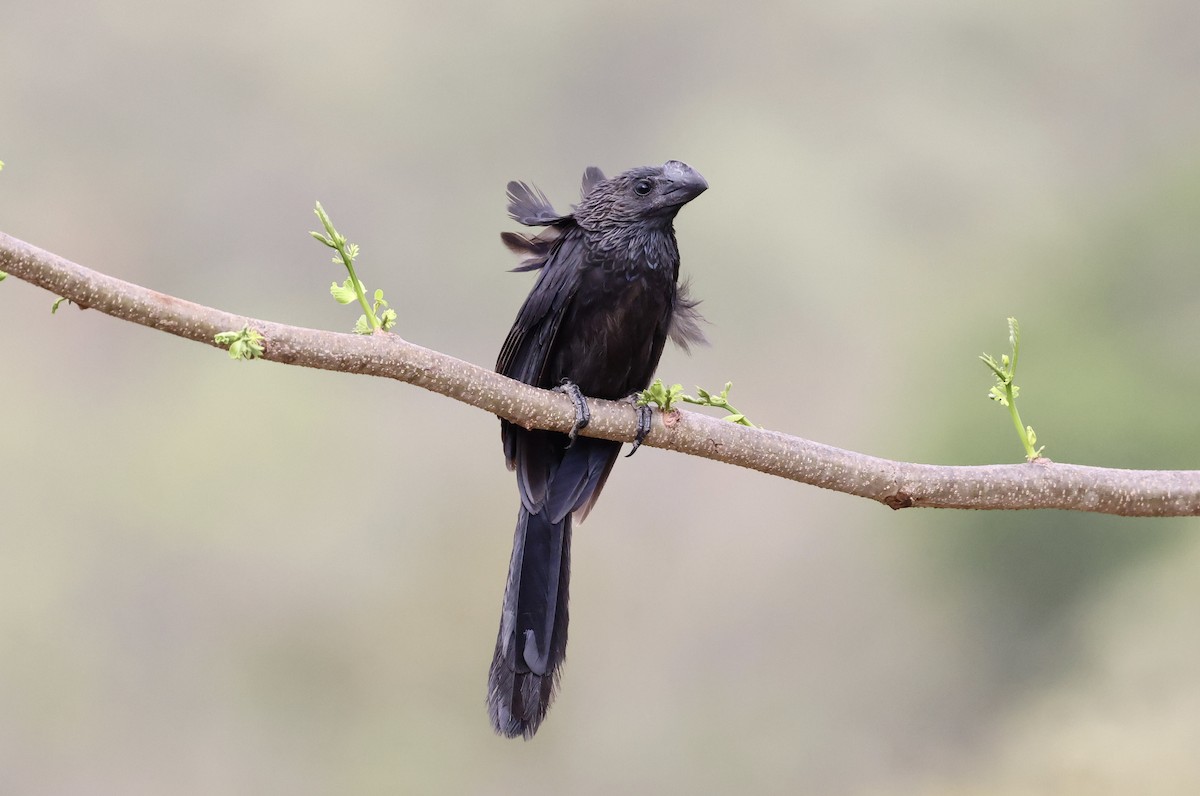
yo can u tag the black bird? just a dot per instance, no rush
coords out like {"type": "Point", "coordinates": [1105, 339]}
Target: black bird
{"type": "Point", "coordinates": [605, 301]}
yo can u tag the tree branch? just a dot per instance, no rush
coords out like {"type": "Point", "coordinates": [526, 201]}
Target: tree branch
{"type": "Point", "coordinates": [1038, 485]}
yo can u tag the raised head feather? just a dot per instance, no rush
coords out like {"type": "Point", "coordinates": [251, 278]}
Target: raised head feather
{"type": "Point", "coordinates": [529, 206]}
{"type": "Point", "coordinates": [591, 176]}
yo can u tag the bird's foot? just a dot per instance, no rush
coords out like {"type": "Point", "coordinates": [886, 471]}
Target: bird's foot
{"type": "Point", "coordinates": [583, 415]}
{"type": "Point", "coordinates": [644, 418]}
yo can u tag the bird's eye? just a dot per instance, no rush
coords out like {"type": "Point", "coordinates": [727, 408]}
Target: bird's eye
{"type": "Point", "coordinates": [642, 187]}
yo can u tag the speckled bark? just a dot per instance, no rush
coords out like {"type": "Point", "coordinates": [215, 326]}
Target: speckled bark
{"type": "Point", "coordinates": [1040, 485]}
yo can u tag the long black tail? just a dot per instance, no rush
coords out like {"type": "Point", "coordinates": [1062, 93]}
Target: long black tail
{"type": "Point", "coordinates": [533, 628]}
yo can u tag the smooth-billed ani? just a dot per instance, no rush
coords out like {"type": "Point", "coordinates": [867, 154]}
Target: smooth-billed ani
{"type": "Point", "coordinates": [605, 301]}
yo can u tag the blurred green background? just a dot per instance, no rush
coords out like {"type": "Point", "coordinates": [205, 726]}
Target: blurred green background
{"type": "Point", "coordinates": [236, 578]}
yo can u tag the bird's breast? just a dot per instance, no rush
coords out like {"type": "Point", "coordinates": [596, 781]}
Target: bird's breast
{"type": "Point", "coordinates": [613, 335]}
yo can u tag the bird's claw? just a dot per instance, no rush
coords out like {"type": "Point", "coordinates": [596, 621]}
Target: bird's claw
{"type": "Point", "coordinates": [583, 415]}
{"type": "Point", "coordinates": [644, 418]}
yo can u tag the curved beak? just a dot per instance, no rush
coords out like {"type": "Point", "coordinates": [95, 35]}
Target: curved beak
{"type": "Point", "coordinates": [686, 182]}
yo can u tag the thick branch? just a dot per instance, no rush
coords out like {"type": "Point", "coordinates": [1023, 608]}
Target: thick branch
{"type": "Point", "coordinates": [1042, 484]}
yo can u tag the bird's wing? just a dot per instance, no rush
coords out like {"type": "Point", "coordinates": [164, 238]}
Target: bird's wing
{"type": "Point", "coordinates": [527, 348]}
{"type": "Point", "coordinates": [526, 352]}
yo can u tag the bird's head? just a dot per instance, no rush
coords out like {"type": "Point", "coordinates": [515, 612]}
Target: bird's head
{"type": "Point", "coordinates": [645, 194]}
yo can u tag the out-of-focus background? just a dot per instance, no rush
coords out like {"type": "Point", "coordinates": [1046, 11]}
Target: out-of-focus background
{"type": "Point", "coordinates": [249, 578]}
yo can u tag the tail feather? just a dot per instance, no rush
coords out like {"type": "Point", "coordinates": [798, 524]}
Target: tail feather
{"type": "Point", "coordinates": [532, 642]}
